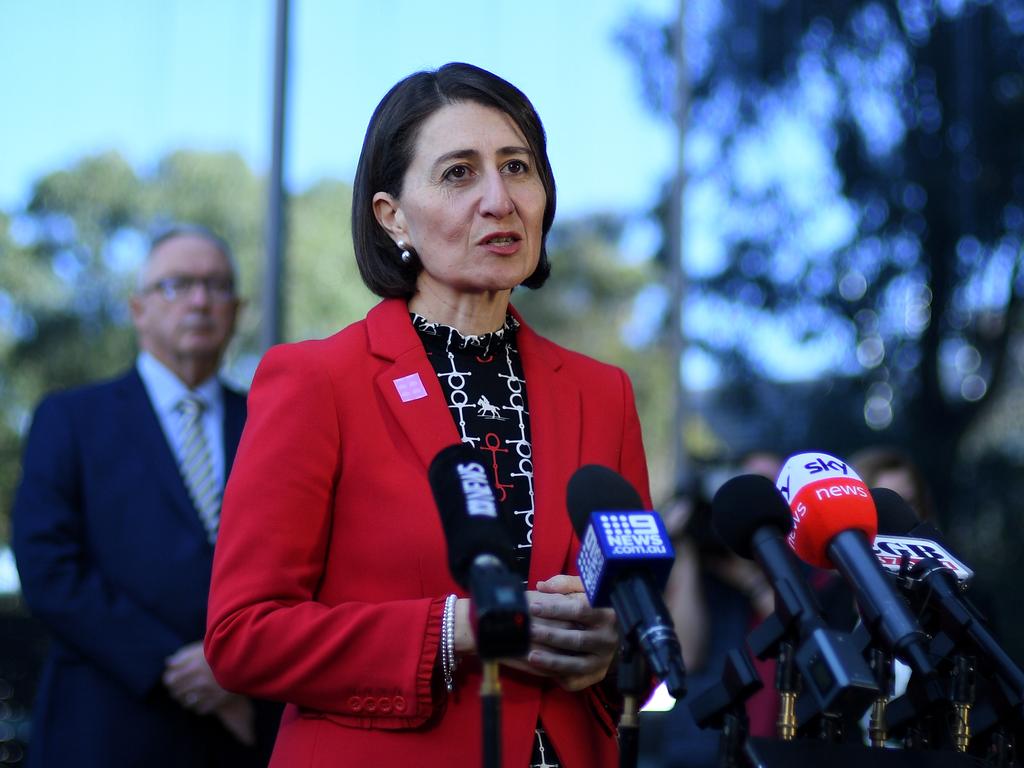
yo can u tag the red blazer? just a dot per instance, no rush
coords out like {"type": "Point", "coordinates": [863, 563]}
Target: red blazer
{"type": "Point", "coordinates": [330, 569]}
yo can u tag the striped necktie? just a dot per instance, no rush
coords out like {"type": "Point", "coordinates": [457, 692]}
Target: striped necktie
{"type": "Point", "coordinates": [196, 464]}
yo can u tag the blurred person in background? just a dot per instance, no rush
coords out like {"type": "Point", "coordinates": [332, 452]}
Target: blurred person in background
{"type": "Point", "coordinates": [882, 466]}
{"type": "Point", "coordinates": [716, 598]}
{"type": "Point", "coordinates": [349, 612]}
{"type": "Point", "coordinates": [114, 525]}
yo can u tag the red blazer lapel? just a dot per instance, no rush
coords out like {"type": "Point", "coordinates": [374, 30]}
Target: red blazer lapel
{"type": "Point", "coordinates": [414, 396]}
{"type": "Point", "coordinates": [409, 385]}
{"type": "Point", "coordinates": [555, 407]}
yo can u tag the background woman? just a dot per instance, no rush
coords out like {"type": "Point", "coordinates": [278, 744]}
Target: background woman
{"type": "Point", "coordinates": [331, 589]}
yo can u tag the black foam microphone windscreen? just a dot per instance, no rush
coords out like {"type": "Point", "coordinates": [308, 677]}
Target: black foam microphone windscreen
{"type": "Point", "coordinates": [469, 511]}
{"type": "Point", "coordinates": [745, 504]}
{"type": "Point", "coordinates": [593, 487]}
{"type": "Point", "coordinates": [895, 517]}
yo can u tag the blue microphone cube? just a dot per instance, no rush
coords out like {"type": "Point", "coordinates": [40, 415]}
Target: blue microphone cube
{"type": "Point", "coordinates": [618, 542]}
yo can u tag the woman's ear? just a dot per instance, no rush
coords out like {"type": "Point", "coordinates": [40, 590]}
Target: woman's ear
{"type": "Point", "coordinates": [389, 215]}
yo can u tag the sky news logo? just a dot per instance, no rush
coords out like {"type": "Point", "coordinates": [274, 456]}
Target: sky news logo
{"type": "Point", "coordinates": [835, 491]}
{"type": "Point", "coordinates": [821, 465]}
{"type": "Point", "coordinates": [804, 468]}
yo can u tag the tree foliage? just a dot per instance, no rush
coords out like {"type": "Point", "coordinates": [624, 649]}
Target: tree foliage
{"type": "Point", "coordinates": [854, 211]}
{"type": "Point", "coordinates": [854, 227]}
{"type": "Point", "coordinates": [590, 305]}
{"type": "Point", "coordinates": [68, 263]}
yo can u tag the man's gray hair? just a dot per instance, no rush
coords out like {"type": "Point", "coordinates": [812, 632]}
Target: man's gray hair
{"type": "Point", "coordinates": [170, 231]}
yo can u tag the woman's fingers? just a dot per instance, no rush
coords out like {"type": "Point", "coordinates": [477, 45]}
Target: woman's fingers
{"type": "Point", "coordinates": [600, 638]}
{"type": "Point", "coordinates": [573, 672]}
{"type": "Point", "coordinates": [569, 640]}
{"type": "Point", "coordinates": [571, 607]}
{"type": "Point", "coordinates": [561, 584]}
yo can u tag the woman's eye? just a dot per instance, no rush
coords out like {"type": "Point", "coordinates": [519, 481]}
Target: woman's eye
{"type": "Point", "coordinates": [517, 166]}
{"type": "Point", "coordinates": [456, 173]}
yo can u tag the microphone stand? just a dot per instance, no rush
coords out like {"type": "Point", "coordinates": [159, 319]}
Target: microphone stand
{"type": "Point", "coordinates": [723, 706]}
{"type": "Point", "coordinates": [961, 696]}
{"type": "Point", "coordinates": [810, 657]}
{"type": "Point", "coordinates": [490, 702]}
{"type": "Point", "coordinates": [1002, 750]}
{"type": "Point", "coordinates": [826, 664]}
{"type": "Point", "coordinates": [997, 722]}
{"type": "Point", "coordinates": [501, 624]}
{"type": "Point", "coordinates": [882, 665]}
{"type": "Point", "coordinates": [632, 675]}
{"type": "Point", "coordinates": [787, 683]}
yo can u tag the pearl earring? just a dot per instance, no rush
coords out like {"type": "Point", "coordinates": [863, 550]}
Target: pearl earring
{"type": "Point", "coordinates": [406, 253]}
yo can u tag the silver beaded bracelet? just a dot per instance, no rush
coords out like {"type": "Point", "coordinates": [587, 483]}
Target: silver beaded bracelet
{"type": "Point", "coordinates": [448, 641]}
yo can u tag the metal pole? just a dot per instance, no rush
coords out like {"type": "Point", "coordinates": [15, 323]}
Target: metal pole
{"type": "Point", "coordinates": [273, 273]}
{"type": "Point", "coordinates": [677, 277]}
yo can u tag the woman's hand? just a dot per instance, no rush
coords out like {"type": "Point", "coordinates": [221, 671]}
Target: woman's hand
{"type": "Point", "coordinates": [570, 641]}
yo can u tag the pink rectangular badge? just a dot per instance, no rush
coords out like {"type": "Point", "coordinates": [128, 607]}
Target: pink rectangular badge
{"type": "Point", "coordinates": [410, 388]}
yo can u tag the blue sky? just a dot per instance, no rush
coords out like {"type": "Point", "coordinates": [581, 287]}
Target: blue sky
{"type": "Point", "coordinates": [146, 77]}
{"type": "Point", "coordinates": [149, 76]}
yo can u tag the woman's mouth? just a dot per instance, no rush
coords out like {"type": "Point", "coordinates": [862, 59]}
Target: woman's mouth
{"type": "Point", "coordinates": [501, 238]}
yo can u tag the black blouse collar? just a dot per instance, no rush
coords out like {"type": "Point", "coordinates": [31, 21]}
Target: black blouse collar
{"type": "Point", "coordinates": [437, 335]}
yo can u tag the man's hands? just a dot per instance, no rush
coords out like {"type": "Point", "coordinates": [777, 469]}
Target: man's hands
{"type": "Point", "coordinates": [190, 682]}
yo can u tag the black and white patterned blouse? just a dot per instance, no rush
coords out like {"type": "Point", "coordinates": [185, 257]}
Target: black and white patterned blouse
{"type": "Point", "coordinates": [484, 386]}
{"type": "Point", "coordinates": [483, 383]}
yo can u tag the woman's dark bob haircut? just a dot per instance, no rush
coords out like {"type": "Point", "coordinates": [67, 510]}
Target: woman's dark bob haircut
{"type": "Point", "coordinates": [388, 151]}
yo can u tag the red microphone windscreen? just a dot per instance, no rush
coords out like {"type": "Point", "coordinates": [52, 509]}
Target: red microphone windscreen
{"type": "Point", "coordinates": [826, 497]}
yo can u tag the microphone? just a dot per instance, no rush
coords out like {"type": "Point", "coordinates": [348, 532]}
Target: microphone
{"type": "Point", "coordinates": [895, 517]}
{"type": "Point", "coordinates": [834, 520]}
{"type": "Point", "coordinates": [752, 517]}
{"type": "Point", "coordinates": [624, 561]}
{"type": "Point", "coordinates": [902, 537]}
{"type": "Point", "coordinates": [480, 554]}
{"type": "Point", "coordinates": [941, 573]}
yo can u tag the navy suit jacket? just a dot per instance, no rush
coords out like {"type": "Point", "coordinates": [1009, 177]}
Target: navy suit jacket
{"type": "Point", "coordinates": [115, 561]}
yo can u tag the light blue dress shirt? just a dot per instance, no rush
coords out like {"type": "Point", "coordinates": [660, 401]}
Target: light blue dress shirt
{"type": "Point", "coordinates": [166, 390]}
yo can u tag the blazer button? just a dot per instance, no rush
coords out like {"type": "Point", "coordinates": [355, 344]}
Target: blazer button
{"type": "Point", "coordinates": [355, 703]}
{"type": "Point", "coordinates": [384, 704]}
{"type": "Point", "coordinates": [370, 704]}
{"type": "Point", "coordinates": [398, 703]}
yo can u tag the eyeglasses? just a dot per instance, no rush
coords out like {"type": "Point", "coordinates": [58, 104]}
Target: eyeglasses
{"type": "Point", "coordinates": [219, 289]}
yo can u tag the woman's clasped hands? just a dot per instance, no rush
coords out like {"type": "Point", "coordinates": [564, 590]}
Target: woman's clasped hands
{"type": "Point", "coordinates": [569, 640]}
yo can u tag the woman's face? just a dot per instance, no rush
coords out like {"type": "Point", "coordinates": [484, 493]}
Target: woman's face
{"type": "Point", "coordinates": [472, 203]}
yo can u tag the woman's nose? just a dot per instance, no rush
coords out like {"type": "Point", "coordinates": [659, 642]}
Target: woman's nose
{"type": "Point", "coordinates": [496, 199]}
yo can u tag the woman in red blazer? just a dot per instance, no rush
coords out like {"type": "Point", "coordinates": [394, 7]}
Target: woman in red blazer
{"type": "Point", "coordinates": [331, 589]}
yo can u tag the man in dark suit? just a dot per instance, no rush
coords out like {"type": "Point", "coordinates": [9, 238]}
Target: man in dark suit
{"type": "Point", "coordinates": [113, 531]}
